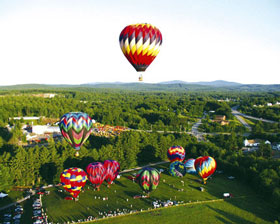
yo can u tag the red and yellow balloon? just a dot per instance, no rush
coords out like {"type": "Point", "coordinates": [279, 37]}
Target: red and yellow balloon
{"type": "Point", "coordinates": [140, 44]}
{"type": "Point", "coordinates": [73, 180]}
{"type": "Point", "coordinates": [205, 166]}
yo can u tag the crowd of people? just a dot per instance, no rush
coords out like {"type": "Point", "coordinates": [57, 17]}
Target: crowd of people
{"type": "Point", "coordinates": [107, 130]}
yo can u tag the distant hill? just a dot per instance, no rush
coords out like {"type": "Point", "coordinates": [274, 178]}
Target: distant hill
{"type": "Point", "coordinates": [220, 83]}
{"type": "Point", "coordinates": [174, 86]}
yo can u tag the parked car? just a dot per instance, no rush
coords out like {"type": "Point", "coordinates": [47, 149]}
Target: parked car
{"type": "Point", "coordinates": [7, 215]}
{"type": "Point", "coordinates": [37, 212]}
{"type": "Point", "coordinates": [18, 216]}
{"type": "Point", "coordinates": [38, 207]}
{"type": "Point", "coordinates": [36, 204]}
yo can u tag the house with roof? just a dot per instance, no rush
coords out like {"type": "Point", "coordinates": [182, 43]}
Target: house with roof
{"type": "Point", "coordinates": [221, 119]}
{"type": "Point", "coordinates": [251, 143]}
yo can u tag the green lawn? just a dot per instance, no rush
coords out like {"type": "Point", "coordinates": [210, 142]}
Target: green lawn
{"type": "Point", "coordinates": [245, 207]}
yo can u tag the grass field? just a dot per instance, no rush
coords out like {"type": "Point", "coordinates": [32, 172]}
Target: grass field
{"type": "Point", "coordinates": [244, 207]}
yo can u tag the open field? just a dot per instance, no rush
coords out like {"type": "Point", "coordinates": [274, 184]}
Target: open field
{"type": "Point", "coordinates": [245, 207]}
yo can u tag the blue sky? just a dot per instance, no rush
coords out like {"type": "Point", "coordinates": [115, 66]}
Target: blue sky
{"type": "Point", "coordinates": [76, 42]}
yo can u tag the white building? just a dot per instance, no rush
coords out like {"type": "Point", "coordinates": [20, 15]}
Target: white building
{"type": "Point", "coordinates": [43, 129]}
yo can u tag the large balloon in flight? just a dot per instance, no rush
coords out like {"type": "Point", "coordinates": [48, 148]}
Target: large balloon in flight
{"type": "Point", "coordinates": [73, 180]}
{"type": "Point", "coordinates": [205, 166]}
{"type": "Point", "coordinates": [189, 165]}
{"type": "Point", "coordinates": [112, 168]}
{"type": "Point", "coordinates": [148, 179]}
{"type": "Point", "coordinates": [176, 153]}
{"type": "Point", "coordinates": [140, 43]}
{"type": "Point", "coordinates": [75, 127]}
{"type": "Point", "coordinates": [96, 174]}
{"type": "Point", "coordinates": [177, 169]}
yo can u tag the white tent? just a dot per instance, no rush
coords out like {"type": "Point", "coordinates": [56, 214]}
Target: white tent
{"type": "Point", "coordinates": [2, 195]}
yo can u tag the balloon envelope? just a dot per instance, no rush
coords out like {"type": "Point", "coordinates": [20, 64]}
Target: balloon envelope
{"type": "Point", "coordinates": [189, 165]}
{"type": "Point", "coordinates": [205, 166]}
{"type": "Point", "coordinates": [73, 180]}
{"type": "Point", "coordinates": [176, 153]}
{"type": "Point", "coordinates": [148, 179]}
{"type": "Point", "coordinates": [75, 127]}
{"type": "Point", "coordinates": [177, 169]}
{"type": "Point", "coordinates": [96, 173]}
{"type": "Point", "coordinates": [112, 168]}
{"type": "Point", "coordinates": [140, 43]}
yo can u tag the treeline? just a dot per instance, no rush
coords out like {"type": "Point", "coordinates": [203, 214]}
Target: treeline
{"type": "Point", "coordinates": [159, 111]}
{"type": "Point", "coordinates": [38, 165]}
{"type": "Point", "coordinates": [256, 105]}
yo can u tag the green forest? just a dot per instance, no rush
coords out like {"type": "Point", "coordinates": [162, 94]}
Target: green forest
{"type": "Point", "coordinates": [143, 110]}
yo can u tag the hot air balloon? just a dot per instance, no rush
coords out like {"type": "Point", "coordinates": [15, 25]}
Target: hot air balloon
{"type": "Point", "coordinates": [73, 180]}
{"type": "Point", "coordinates": [148, 179]}
{"type": "Point", "coordinates": [112, 168]}
{"type": "Point", "coordinates": [205, 166]}
{"type": "Point", "coordinates": [189, 165]}
{"type": "Point", "coordinates": [140, 43]}
{"type": "Point", "coordinates": [177, 169]}
{"type": "Point", "coordinates": [176, 153]}
{"type": "Point", "coordinates": [96, 174]}
{"type": "Point", "coordinates": [75, 127]}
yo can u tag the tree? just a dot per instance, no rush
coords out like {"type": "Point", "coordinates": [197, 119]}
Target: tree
{"type": "Point", "coordinates": [6, 178]}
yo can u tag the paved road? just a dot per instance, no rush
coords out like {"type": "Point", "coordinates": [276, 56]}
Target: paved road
{"type": "Point", "coordinates": [236, 112]}
{"type": "Point", "coordinates": [196, 132]}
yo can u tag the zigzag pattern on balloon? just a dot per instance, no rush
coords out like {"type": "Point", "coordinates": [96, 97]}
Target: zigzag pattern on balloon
{"type": "Point", "coordinates": [205, 166]}
{"type": "Point", "coordinates": [75, 127]}
{"type": "Point", "coordinates": [148, 179]}
{"type": "Point", "coordinates": [176, 153]}
{"type": "Point", "coordinates": [76, 121]}
{"type": "Point", "coordinates": [112, 170]}
{"type": "Point", "coordinates": [140, 43]}
{"type": "Point", "coordinates": [96, 173]}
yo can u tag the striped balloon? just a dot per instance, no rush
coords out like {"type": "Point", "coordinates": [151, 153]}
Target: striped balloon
{"type": "Point", "coordinates": [73, 180]}
{"type": "Point", "coordinates": [75, 127]}
{"type": "Point", "coordinates": [189, 164]}
{"type": "Point", "coordinates": [140, 43]}
{"type": "Point", "coordinates": [176, 153]}
{"type": "Point", "coordinates": [177, 169]}
{"type": "Point", "coordinates": [148, 179]}
{"type": "Point", "coordinates": [96, 174]}
{"type": "Point", "coordinates": [205, 166]}
{"type": "Point", "coordinates": [112, 168]}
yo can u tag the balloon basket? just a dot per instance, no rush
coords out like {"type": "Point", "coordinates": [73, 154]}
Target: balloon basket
{"type": "Point", "coordinates": [77, 154]}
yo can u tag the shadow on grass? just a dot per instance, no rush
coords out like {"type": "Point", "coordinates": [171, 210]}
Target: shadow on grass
{"type": "Point", "coordinates": [232, 217]}
{"type": "Point", "coordinates": [119, 183]}
{"type": "Point", "coordinates": [5, 201]}
{"type": "Point", "coordinates": [244, 198]}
